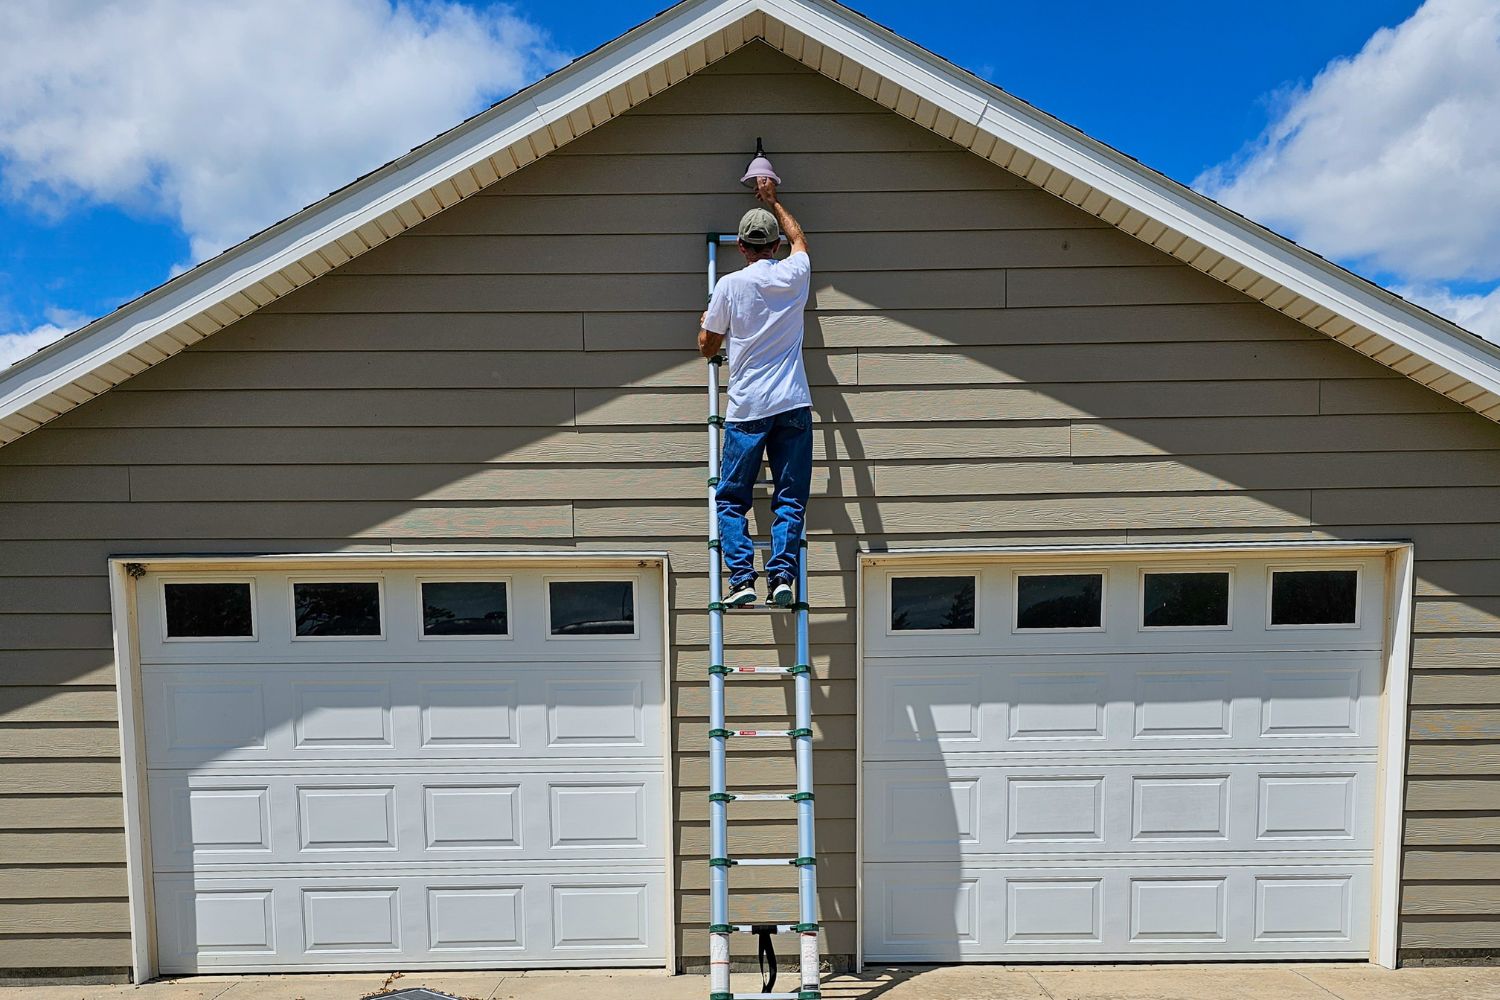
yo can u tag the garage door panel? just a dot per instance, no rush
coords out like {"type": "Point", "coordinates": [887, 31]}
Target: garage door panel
{"type": "Point", "coordinates": [1057, 810]}
{"type": "Point", "coordinates": [227, 923]}
{"type": "Point", "coordinates": [207, 822]}
{"type": "Point", "coordinates": [347, 922]}
{"type": "Point", "coordinates": [475, 918]}
{"type": "Point", "coordinates": [1185, 806]}
{"type": "Point", "coordinates": [1189, 704]}
{"type": "Point", "coordinates": [470, 818]}
{"type": "Point", "coordinates": [1115, 775]}
{"type": "Point", "coordinates": [930, 810]}
{"type": "Point", "coordinates": [470, 714]}
{"type": "Point", "coordinates": [961, 705]}
{"type": "Point", "coordinates": [1185, 908]}
{"type": "Point", "coordinates": [1048, 911]}
{"type": "Point", "coordinates": [1056, 705]}
{"type": "Point", "coordinates": [595, 712]}
{"type": "Point", "coordinates": [1305, 908]}
{"type": "Point", "coordinates": [383, 711]}
{"type": "Point", "coordinates": [232, 819]}
{"type": "Point", "coordinates": [344, 920]}
{"type": "Point", "coordinates": [925, 913]}
{"type": "Point", "coordinates": [193, 719]}
{"type": "Point", "coordinates": [1052, 909]}
{"type": "Point", "coordinates": [408, 801]}
{"type": "Point", "coordinates": [341, 715]}
{"type": "Point", "coordinates": [934, 708]}
{"type": "Point", "coordinates": [1308, 701]}
{"type": "Point", "coordinates": [933, 811]}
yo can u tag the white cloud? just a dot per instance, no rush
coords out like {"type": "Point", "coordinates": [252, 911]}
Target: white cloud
{"type": "Point", "coordinates": [230, 116]}
{"type": "Point", "coordinates": [21, 343]}
{"type": "Point", "coordinates": [1390, 159]}
{"type": "Point", "coordinates": [1476, 312]}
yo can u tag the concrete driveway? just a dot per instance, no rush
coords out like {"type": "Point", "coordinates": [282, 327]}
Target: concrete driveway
{"type": "Point", "coordinates": [1303, 981]}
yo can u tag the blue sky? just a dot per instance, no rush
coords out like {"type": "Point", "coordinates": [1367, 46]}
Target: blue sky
{"type": "Point", "coordinates": [1111, 80]}
{"type": "Point", "coordinates": [115, 172]}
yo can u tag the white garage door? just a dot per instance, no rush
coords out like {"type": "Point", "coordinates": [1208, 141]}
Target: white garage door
{"type": "Point", "coordinates": [377, 770]}
{"type": "Point", "coordinates": [1120, 760]}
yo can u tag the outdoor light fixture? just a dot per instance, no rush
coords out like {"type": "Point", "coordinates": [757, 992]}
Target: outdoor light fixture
{"type": "Point", "coordinates": [758, 168]}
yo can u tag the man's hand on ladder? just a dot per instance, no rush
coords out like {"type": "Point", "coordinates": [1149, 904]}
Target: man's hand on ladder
{"type": "Point", "coordinates": [708, 343]}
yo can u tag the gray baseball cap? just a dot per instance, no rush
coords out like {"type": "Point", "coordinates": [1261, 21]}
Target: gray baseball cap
{"type": "Point", "coordinates": [758, 227]}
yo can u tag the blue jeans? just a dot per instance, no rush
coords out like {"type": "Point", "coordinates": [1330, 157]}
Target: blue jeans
{"type": "Point", "coordinates": [786, 439]}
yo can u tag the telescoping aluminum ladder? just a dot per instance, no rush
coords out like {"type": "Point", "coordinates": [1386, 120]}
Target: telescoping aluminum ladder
{"type": "Point", "coordinates": [720, 797]}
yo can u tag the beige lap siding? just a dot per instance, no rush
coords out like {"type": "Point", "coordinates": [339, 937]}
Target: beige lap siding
{"type": "Point", "coordinates": [989, 366]}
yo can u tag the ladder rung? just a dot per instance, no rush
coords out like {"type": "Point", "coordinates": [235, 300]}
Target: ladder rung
{"type": "Point", "coordinates": [775, 928]}
{"type": "Point", "coordinates": [763, 862]}
{"type": "Point", "coordinates": [761, 733]}
{"type": "Point", "coordinates": [801, 668]}
{"type": "Point", "coordinates": [763, 796]}
{"type": "Point", "coordinates": [763, 609]}
{"type": "Point", "coordinates": [765, 996]}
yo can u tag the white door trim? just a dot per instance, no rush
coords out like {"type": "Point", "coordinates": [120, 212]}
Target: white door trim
{"type": "Point", "coordinates": [859, 763]}
{"type": "Point", "coordinates": [122, 595]}
{"type": "Point", "coordinates": [123, 569]}
{"type": "Point", "coordinates": [1391, 769]}
{"type": "Point", "coordinates": [1394, 706]}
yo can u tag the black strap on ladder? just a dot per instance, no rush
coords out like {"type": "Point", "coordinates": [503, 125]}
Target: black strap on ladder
{"type": "Point", "coordinates": [767, 955]}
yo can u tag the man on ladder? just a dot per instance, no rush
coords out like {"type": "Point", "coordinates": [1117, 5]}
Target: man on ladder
{"type": "Point", "coordinates": [759, 310]}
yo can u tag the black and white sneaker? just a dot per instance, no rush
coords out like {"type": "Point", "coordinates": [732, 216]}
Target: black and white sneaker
{"type": "Point", "coordinates": [781, 593]}
{"type": "Point", "coordinates": [741, 596]}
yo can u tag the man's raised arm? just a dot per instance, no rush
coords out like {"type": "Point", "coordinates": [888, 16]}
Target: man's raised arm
{"type": "Point", "coordinates": [765, 190]}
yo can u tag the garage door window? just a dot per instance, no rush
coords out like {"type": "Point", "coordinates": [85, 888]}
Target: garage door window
{"type": "Point", "coordinates": [932, 604]}
{"type": "Point", "coordinates": [1056, 601]}
{"type": "Point", "coordinates": [1185, 600]}
{"type": "Point", "coordinates": [581, 608]}
{"type": "Point", "coordinates": [1322, 597]}
{"type": "Point", "coordinates": [217, 610]}
{"type": "Point", "coordinates": [337, 609]}
{"type": "Point", "coordinates": [465, 609]}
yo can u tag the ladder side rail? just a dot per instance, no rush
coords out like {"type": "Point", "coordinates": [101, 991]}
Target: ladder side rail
{"type": "Point", "coordinates": [807, 875]}
{"type": "Point", "coordinates": [718, 876]}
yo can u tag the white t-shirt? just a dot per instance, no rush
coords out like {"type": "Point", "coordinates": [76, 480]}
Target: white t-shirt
{"type": "Point", "coordinates": [760, 308]}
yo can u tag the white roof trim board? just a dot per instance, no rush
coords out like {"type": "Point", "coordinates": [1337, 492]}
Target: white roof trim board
{"type": "Point", "coordinates": [841, 45]}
